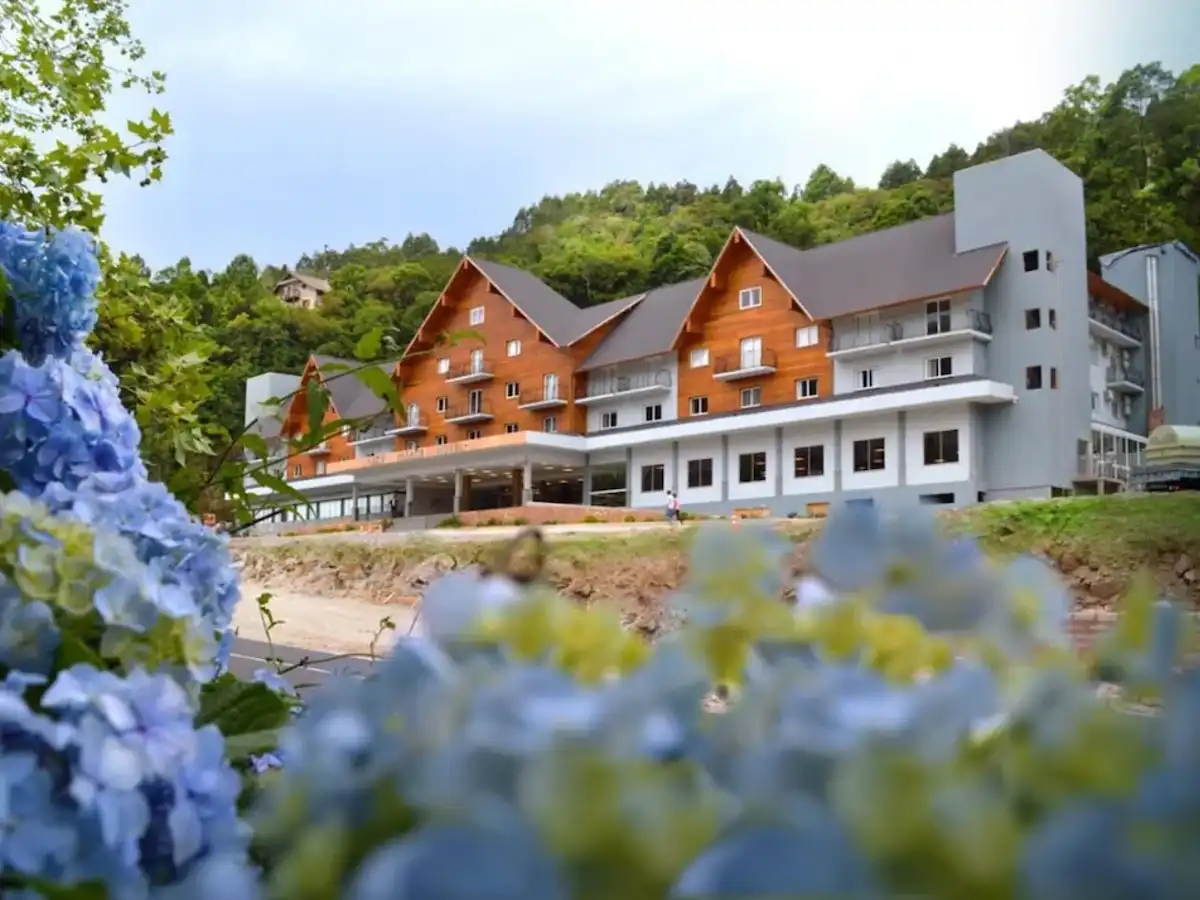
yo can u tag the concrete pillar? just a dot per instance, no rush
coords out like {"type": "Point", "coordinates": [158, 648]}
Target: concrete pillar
{"type": "Point", "coordinates": [409, 486]}
{"type": "Point", "coordinates": [466, 492]}
{"type": "Point", "coordinates": [778, 462]}
{"type": "Point", "coordinates": [354, 501]}
{"type": "Point", "coordinates": [675, 467]}
{"type": "Point", "coordinates": [902, 447]}
{"type": "Point", "coordinates": [517, 487]}
{"type": "Point", "coordinates": [458, 486]}
{"type": "Point", "coordinates": [724, 461]}
{"type": "Point", "coordinates": [629, 476]}
{"type": "Point", "coordinates": [837, 455]}
{"type": "Point", "coordinates": [587, 479]}
{"type": "Point", "coordinates": [527, 483]}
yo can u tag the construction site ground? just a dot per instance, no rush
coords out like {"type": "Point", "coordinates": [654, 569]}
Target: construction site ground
{"type": "Point", "coordinates": [330, 591]}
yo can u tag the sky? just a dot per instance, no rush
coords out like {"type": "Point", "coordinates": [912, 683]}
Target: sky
{"type": "Point", "coordinates": [301, 124]}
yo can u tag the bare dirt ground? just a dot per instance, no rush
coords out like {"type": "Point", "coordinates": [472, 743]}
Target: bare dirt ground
{"type": "Point", "coordinates": [318, 621]}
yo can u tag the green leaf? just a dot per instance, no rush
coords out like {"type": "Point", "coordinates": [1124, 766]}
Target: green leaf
{"type": "Point", "coordinates": [241, 707]}
{"type": "Point", "coordinates": [380, 384]}
{"type": "Point", "coordinates": [241, 747]}
{"type": "Point", "coordinates": [255, 444]}
{"type": "Point", "coordinates": [73, 650]}
{"type": "Point", "coordinates": [316, 399]}
{"type": "Point", "coordinates": [369, 344]}
{"type": "Point", "coordinates": [464, 334]}
{"type": "Point", "coordinates": [277, 485]}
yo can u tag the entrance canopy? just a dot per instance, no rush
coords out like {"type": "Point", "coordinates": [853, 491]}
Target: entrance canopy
{"type": "Point", "coordinates": [505, 451]}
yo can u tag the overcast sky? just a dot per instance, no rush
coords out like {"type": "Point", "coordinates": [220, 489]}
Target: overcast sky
{"type": "Point", "coordinates": [306, 123]}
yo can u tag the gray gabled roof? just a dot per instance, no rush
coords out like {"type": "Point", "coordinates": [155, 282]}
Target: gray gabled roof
{"type": "Point", "coordinates": [882, 268]}
{"type": "Point", "coordinates": [351, 398]}
{"type": "Point", "coordinates": [317, 284]}
{"type": "Point", "coordinates": [590, 318]}
{"type": "Point", "coordinates": [545, 307]}
{"type": "Point", "coordinates": [650, 329]}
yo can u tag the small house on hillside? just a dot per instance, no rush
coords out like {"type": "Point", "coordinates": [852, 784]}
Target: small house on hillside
{"type": "Point", "coordinates": [302, 290]}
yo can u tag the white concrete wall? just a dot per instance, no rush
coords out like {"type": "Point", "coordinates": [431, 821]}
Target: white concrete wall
{"type": "Point", "coordinates": [918, 423]}
{"type": "Point", "coordinates": [1102, 412]}
{"type": "Point", "coordinates": [632, 410]}
{"type": "Point", "coordinates": [907, 365]}
{"type": "Point", "coordinates": [886, 427]}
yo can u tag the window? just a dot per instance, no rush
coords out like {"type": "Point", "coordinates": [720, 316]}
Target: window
{"type": "Point", "coordinates": [511, 428]}
{"type": "Point", "coordinates": [476, 362]}
{"type": "Point", "coordinates": [1033, 378]}
{"type": "Point", "coordinates": [697, 406]}
{"type": "Point", "coordinates": [751, 397]}
{"type": "Point", "coordinates": [937, 317]}
{"type": "Point", "coordinates": [412, 445]}
{"type": "Point", "coordinates": [806, 388]}
{"type": "Point", "coordinates": [439, 440]}
{"type": "Point", "coordinates": [320, 467]}
{"type": "Point", "coordinates": [751, 353]}
{"type": "Point", "coordinates": [413, 416]}
{"type": "Point", "coordinates": [475, 401]}
{"type": "Point", "coordinates": [749, 298]}
{"type": "Point", "coordinates": [866, 379]}
{"type": "Point", "coordinates": [809, 461]}
{"type": "Point", "coordinates": [808, 336]}
{"type": "Point", "coordinates": [1030, 258]}
{"type": "Point", "coordinates": [476, 316]}
{"type": "Point", "coordinates": [939, 367]}
{"type": "Point", "coordinates": [296, 470]}
{"type": "Point", "coordinates": [1053, 318]}
{"type": "Point", "coordinates": [443, 366]}
{"type": "Point", "coordinates": [608, 420]}
{"type": "Point", "coordinates": [1033, 319]}
{"type": "Point", "coordinates": [1053, 379]}
{"type": "Point", "coordinates": [699, 473]}
{"type": "Point", "coordinates": [513, 348]}
{"type": "Point", "coordinates": [474, 434]}
{"type": "Point", "coordinates": [698, 358]}
{"type": "Point", "coordinates": [654, 413]}
{"type": "Point", "coordinates": [443, 403]}
{"type": "Point", "coordinates": [550, 386]}
{"type": "Point", "coordinates": [512, 390]}
{"type": "Point", "coordinates": [653, 478]}
{"type": "Point", "coordinates": [869, 455]}
{"type": "Point", "coordinates": [1095, 400]}
{"type": "Point", "coordinates": [752, 467]}
{"type": "Point", "coordinates": [941, 447]}
{"type": "Point", "coordinates": [1049, 261]}
{"type": "Point", "coordinates": [550, 425]}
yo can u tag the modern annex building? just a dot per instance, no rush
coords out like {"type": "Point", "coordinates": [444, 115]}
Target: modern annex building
{"type": "Point", "coordinates": [963, 358]}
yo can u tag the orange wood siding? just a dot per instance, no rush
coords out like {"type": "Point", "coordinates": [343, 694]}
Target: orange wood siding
{"type": "Point", "coordinates": [580, 351]}
{"type": "Point", "coordinates": [718, 324]}
{"type": "Point", "coordinates": [295, 427]}
{"type": "Point", "coordinates": [423, 384]}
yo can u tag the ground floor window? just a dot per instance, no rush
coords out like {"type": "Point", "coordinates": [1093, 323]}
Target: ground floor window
{"type": "Point", "coordinates": [870, 455]}
{"type": "Point", "coordinates": [809, 461]}
{"type": "Point", "coordinates": [752, 467]}
{"type": "Point", "coordinates": [699, 473]}
{"type": "Point", "coordinates": [941, 447]}
{"type": "Point", "coordinates": [654, 479]}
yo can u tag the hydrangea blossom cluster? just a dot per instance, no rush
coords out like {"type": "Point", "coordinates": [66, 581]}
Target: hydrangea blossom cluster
{"type": "Point", "coordinates": [914, 727]}
{"type": "Point", "coordinates": [114, 608]}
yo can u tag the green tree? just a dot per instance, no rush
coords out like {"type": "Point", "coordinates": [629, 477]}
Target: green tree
{"type": "Point", "coordinates": [899, 174]}
{"type": "Point", "coordinates": [57, 71]}
{"type": "Point", "coordinates": [823, 184]}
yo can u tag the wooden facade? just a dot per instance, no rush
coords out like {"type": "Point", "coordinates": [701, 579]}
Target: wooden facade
{"type": "Point", "coordinates": [718, 324]}
{"type": "Point", "coordinates": [311, 462]}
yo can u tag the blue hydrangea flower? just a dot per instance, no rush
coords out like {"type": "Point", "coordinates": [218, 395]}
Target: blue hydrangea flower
{"type": "Point", "coordinates": [52, 278]}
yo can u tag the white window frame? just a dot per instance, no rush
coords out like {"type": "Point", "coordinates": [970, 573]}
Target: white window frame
{"type": "Point", "coordinates": [443, 365]}
{"type": "Point", "coordinates": [443, 403]}
{"type": "Point", "coordinates": [698, 358]}
{"type": "Point", "coordinates": [441, 440]}
{"type": "Point", "coordinates": [750, 353]}
{"type": "Point", "coordinates": [808, 336]}
{"type": "Point", "coordinates": [694, 402]}
{"type": "Point", "coordinates": [475, 401]}
{"type": "Point", "coordinates": [755, 395]}
{"type": "Point", "coordinates": [477, 362]}
{"type": "Point", "coordinates": [550, 425]}
{"type": "Point", "coordinates": [513, 348]}
{"type": "Point", "coordinates": [550, 386]}
{"type": "Point", "coordinates": [512, 390]}
{"type": "Point", "coordinates": [412, 445]}
{"type": "Point", "coordinates": [475, 316]}
{"type": "Point", "coordinates": [866, 379]}
{"type": "Point", "coordinates": [750, 298]}
{"type": "Point", "coordinates": [802, 385]}
{"type": "Point", "coordinates": [608, 420]}
{"type": "Point", "coordinates": [933, 367]}
{"type": "Point", "coordinates": [474, 434]}
{"type": "Point", "coordinates": [512, 428]}
{"type": "Point", "coordinates": [653, 412]}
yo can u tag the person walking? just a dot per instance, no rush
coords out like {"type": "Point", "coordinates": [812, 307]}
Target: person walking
{"type": "Point", "coordinates": [670, 506]}
{"type": "Point", "coordinates": [673, 500]}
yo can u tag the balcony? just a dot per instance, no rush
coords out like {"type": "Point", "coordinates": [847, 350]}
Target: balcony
{"type": "Point", "coordinates": [930, 330]}
{"type": "Point", "coordinates": [1113, 327]}
{"type": "Point", "coordinates": [470, 372]}
{"type": "Point", "coordinates": [745, 365]}
{"type": "Point", "coordinates": [469, 413]}
{"type": "Point", "coordinates": [318, 449]}
{"type": "Point", "coordinates": [1125, 380]}
{"type": "Point", "coordinates": [417, 424]}
{"type": "Point", "coordinates": [543, 400]}
{"type": "Point", "coordinates": [1103, 467]}
{"type": "Point", "coordinates": [602, 388]}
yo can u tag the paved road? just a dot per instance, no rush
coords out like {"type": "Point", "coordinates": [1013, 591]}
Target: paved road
{"type": "Point", "coordinates": [315, 666]}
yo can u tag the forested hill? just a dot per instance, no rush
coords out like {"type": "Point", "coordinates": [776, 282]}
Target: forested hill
{"type": "Point", "coordinates": [1136, 143]}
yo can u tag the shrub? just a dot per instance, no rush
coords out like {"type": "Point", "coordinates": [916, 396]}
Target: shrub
{"type": "Point", "coordinates": [631, 518]}
{"type": "Point", "coordinates": [520, 520]}
{"type": "Point", "coordinates": [450, 522]}
{"type": "Point", "coordinates": [592, 520]}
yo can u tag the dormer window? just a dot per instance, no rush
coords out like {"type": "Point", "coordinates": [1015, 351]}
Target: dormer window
{"type": "Point", "coordinates": [476, 315]}
{"type": "Point", "coordinates": [750, 298]}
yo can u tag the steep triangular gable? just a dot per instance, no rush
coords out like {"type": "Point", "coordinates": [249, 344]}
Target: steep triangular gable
{"type": "Point", "coordinates": [737, 237]}
{"type": "Point", "coordinates": [466, 264]}
{"type": "Point", "coordinates": [312, 369]}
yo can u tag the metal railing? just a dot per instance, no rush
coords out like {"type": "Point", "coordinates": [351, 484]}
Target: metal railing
{"type": "Point", "coordinates": [1127, 374]}
{"type": "Point", "coordinates": [890, 332]}
{"type": "Point", "coordinates": [1105, 467]}
{"type": "Point", "coordinates": [553, 395]}
{"type": "Point", "coordinates": [620, 384]}
{"type": "Point", "coordinates": [465, 410]}
{"type": "Point", "coordinates": [481, 366]}
{"type": "Point", "coordinates": [726, 365]}
{"type": "Point", "coordinates": [1117, 322]}
{"type": "Point", "coordinates": [411, 422]}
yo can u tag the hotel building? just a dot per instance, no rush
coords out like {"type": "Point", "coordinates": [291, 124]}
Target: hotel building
{"type": "Point", "coordinates": [959, 359]}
